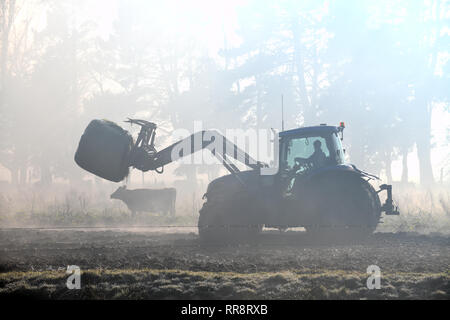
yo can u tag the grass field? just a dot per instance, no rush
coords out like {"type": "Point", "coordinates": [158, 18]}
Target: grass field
{"type": "Point", "coordinates": [179, 284]}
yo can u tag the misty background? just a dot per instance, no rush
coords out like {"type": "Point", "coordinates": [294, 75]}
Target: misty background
{"type": "Point", "coordinates": [380, 66]}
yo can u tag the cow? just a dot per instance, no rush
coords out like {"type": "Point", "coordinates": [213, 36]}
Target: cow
{"type": "Point", "coordinates": [147, 200]}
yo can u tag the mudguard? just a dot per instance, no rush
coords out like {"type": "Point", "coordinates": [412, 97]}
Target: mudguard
{"type": "Point", "coordinates": [350, 168]}
{"type": "Point", "coordinates": [388, 207]}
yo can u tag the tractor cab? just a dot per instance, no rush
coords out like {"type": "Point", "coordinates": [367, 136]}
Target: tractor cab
{"type": "Point", "coordinates": [305, 149]}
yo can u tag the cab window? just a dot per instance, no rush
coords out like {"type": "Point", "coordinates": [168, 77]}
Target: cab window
{"type": "Point", "coordinates": [303, 148]}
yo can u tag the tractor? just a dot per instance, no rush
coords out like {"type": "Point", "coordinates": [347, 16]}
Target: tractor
{"type": "Point", "coordinates": [313, 186]}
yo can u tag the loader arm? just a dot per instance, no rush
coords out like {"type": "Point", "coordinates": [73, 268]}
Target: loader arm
{"type": "Point", "coordinates": [107, 150]}
{"type": "Point", "coordinates": [222, 148]}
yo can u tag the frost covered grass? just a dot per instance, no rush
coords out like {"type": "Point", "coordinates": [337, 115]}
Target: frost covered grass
{"type": "Point", "coordinates": [180, 284]}
{"type": "Point", "coordinates": [422, 211]}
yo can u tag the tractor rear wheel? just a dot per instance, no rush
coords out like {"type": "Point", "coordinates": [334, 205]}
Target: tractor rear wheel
{"type": "Point", "coordinates": [227, 220]}
{"type": "Point", "coordinates": [347, 208]}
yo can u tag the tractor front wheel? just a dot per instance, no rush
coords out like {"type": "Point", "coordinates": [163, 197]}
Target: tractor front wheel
{"type": "Point", "coordinates": [229, 220]}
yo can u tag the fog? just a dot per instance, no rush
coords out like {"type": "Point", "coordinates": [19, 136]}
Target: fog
{"type": "Point", "coordinates": [382, 67]}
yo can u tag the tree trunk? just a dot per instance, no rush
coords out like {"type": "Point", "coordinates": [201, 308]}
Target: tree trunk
{"type": "Point", "coordinates": [8, 10]}
{"type": "Point", "coordinates": [23, 175]}
{"type": "Point", "coordinates": [14, 176]}
{"type": "Point", "coordinates": [424, 146]}
{"type": "Point", "coordinates": [305, 104]}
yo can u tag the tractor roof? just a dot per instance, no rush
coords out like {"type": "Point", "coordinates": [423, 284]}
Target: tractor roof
{"type": "Point", "coordinates": [309, 130]}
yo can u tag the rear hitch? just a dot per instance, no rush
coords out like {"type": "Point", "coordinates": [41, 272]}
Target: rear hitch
{"type": "Point", "coordinates": [388, 207]}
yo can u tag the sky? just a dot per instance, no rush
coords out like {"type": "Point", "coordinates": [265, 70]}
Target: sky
{"type": "Point", "coordinates": [201, 19]}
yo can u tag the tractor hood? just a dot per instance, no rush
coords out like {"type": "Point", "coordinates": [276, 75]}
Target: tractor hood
{"type": "Point", "coordinates": [247, 179]}
{"type": "Point", "coordinates": [244, 176]}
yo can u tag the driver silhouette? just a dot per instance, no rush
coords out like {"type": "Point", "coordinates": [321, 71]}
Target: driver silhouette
{"type": "Point", "coordinates": [318, 158]}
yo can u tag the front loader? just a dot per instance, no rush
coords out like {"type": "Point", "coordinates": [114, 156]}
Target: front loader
{"type": "Point", "coordinates": [313, 187]}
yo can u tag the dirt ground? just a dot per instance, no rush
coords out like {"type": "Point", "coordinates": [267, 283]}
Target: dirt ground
{"type": "Point", "coordinates": [170, 263]}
